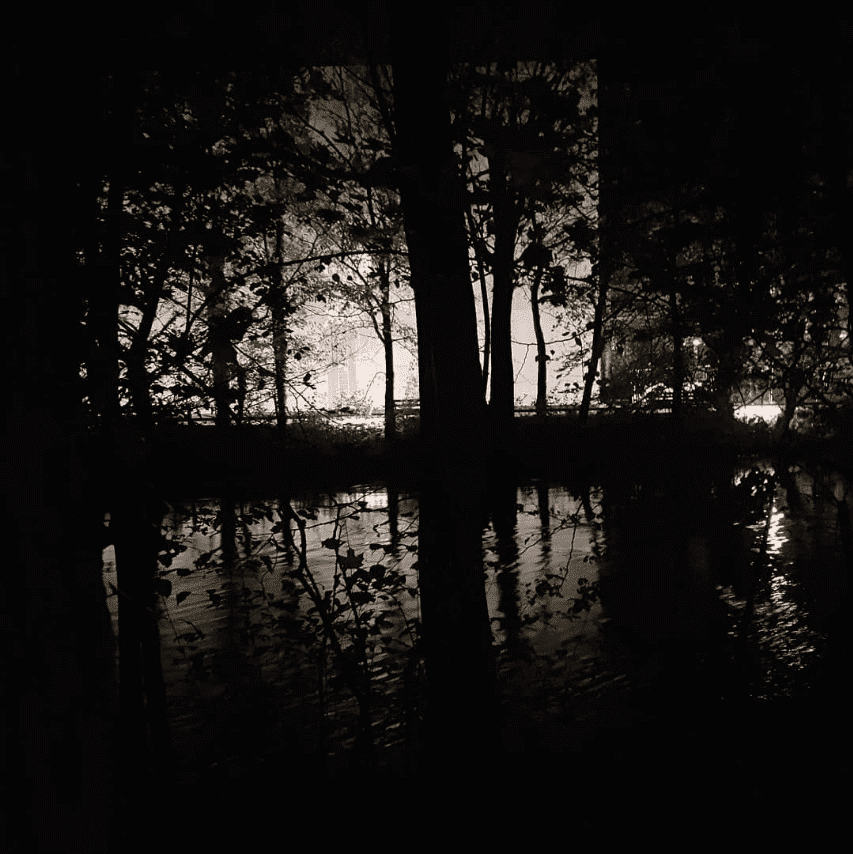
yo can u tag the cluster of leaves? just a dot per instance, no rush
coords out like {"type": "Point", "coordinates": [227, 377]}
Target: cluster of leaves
{"type": "Point", "coordinates": [358, 614]}
{"type": "Point", "coordinates": [223, 230]}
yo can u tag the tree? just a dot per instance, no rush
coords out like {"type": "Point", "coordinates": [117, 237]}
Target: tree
{"type": "Point", "coordinates": [457, 635]}
{"type": "Point", "coordinates": [525, 142]}
{"type": "Point", "coordinates": [718, 222]}
{"type": "Point", "coordinates": [352, 116]}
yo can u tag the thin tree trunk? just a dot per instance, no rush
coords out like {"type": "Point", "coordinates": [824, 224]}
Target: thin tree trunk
{"type": "Point", "coordinates": [125, 525]}
{"type": "Point", "coordinates": [388, 347]}
{"type": "Point", "coordinates": [484, 295]}
{"type": "Point", "coordinates": [502, 398]}
{"type": "Point", "coordinates": [541, 353]}
{"type": "Point", "coordinates": [278, 304]}
{"type": "Point", "coordinates": [612, 111]}
{"type": "Point", "coordinates": [598, 341]}
{"type": "Point", "coordinates": [216, 313]}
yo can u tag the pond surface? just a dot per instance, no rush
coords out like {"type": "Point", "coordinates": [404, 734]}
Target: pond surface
{"type": "Point", "coordinates": [615, 608]}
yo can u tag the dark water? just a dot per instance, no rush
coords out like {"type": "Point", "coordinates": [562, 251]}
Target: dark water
{"type": "Point", "coordinates": [655, 619]}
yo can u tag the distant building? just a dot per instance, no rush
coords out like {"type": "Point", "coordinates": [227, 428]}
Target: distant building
{"type": "Point", "coordinates": [342, 381]}
{"type": "Point", "coordinates": [342, 377]}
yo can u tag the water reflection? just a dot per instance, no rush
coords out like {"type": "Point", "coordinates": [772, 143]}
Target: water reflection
{"type": "Point", "coordinates": [716, 587]}
{"type": "Point", "coordinates": [792, 584]}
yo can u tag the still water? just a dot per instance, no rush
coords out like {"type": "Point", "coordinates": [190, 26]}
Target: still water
{"type": "Point", "coordinates": [720, 587]}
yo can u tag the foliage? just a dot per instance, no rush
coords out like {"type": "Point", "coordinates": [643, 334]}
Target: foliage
{"type": "Point", "coordinates": [357, 617]}
{"type": "Point", "coordinates": [733, 247]}
{"type": "Point", "coordinates": [357, 622]}
{"type": "Point", "coordinates": [290, 181]}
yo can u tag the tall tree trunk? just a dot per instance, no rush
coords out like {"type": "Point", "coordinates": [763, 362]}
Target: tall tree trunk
{"type": "Point", "coordinates": [219, 344]}
{"type": "Point", "coordinates": [612, 102]}
{"type": "Point", "coordinates": [123, 461]}
{"type": "Point", "coordinates": [136, 517]}
{"type": "Point", "coordinates": [541, 353]}
{"type": "Point", "coordinates": [388, 347]}
{"type": "Point", "coordinates": [506, 217]}
{"type": "Point", "coordinates": [484, 295]}
{"type": "Point", "coordinates": [103, 287]}
{"type": "Point", "coordinates": [278, 309]}
{"type": "Point", "coordinates": [598, 340]}
{"type": "Point", "coordinates": [457, 636]}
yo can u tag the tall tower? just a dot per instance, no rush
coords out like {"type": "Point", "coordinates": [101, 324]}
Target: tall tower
{"type": "Point", "coordinates": [342, 378]}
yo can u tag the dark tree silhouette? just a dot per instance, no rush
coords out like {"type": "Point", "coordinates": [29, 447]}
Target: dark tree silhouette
{"type": "Point", "coordinates": [450, 553]}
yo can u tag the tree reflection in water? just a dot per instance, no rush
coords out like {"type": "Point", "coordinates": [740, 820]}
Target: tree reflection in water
{"type": "Point", "coordinates": [627, 616]}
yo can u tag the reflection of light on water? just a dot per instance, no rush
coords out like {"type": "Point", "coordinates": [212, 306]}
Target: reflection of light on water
{"type": "Point", "coordinates": [780, 622]}
{"type": "Point", "coordinates": [767, 412]}
{"type": "Point", "coordinates": [375, 500]}
{"type": "Point", "coordinates": [775, 532]}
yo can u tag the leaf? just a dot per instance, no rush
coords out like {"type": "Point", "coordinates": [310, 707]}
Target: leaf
{"type": "Point", "coordinates": [412, 591]}
{"type": "Point", "coordinates": [182, 595]}
{"type": "Point", "coordinates": [332, 544]}
{"type": "Point", "coordinates": [163, 586]}
{"type": "Point", "coordinates": [352, 560]}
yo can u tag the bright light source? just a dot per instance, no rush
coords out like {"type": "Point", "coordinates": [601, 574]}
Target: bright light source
{"type": "Point", "coordinates": [767, 412]}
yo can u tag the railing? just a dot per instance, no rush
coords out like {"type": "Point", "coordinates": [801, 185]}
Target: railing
{"type": "Point", "coordinates": [411, 407]}
{"type": "Point", "coordinates": [569, 408]}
